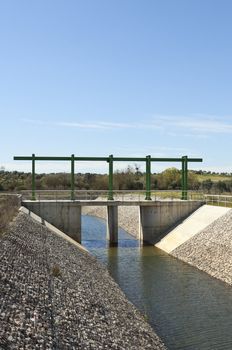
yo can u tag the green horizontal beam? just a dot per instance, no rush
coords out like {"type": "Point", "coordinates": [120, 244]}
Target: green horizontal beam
{"type": "Point", "coordinates": [63, 158]}
{"type": "Point", "coordinates": [175, 160]}
{"type": "Point", "coordinates": [106, 159]}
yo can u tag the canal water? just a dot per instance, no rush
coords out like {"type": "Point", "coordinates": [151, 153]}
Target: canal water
{"type": "Point", "coordinates": [187, 308]}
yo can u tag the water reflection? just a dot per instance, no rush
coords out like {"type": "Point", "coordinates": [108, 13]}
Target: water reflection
{"type": "Point", "coordinates": [187, 308]}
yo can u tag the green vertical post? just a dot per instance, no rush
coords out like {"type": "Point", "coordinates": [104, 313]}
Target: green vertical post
{"type": "Point", "coordinates": [72, 177]}
{"type": "Point", "coordinates": [33, 178]}
{"type": "Point", "coordinates": [148, 178]}
{"type": "Point", "coordinates": [110, 193]}
{"type": "Point", "coordinates": [183, 178]}
{"type": "Point", "coordinates": [186, 177]}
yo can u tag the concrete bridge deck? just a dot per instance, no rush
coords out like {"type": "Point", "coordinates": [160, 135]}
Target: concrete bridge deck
{"type": "Point", "coordinates": [102, 202]}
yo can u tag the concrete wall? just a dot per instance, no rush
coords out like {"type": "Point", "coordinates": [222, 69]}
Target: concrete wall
{"type": "Point", "coordinates": [65, 215]}
{"type": "Point", "coordinates": [158, 219]}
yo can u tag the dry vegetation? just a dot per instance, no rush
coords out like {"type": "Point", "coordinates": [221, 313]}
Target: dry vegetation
{"type": "Point", "coordinates": [129, 179]}
{"type": "Point", "coordinates": [8, 210]}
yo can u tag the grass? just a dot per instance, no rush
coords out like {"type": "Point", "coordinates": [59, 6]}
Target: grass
{"type": "Point", "coordinates": [144, 313]}
{"type": "Point", "coordinates": [220, 204]}
{"type": "Point", "coordinates": [8, 210]}
{"type": "Point", "coordinates": [213, 177]}
{"type": "Point", "coordinates": [167, 194]}
{"type": "Point", "coordinates": [56, 272]}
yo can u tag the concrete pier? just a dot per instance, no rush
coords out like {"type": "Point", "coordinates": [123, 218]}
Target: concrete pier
{"type": "Point", "coordinates": [112, 224]}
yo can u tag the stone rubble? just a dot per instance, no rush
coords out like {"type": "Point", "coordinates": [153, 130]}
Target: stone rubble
{"type": "Point", "coordinates": [55, 296]}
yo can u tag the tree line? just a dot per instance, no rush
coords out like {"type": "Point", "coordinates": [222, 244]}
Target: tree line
{"type": "Point", "coordinates": [129, 179]}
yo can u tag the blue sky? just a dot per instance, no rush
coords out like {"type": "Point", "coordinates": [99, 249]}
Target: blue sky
{"type": "Point", "coordinates": [122, 77]}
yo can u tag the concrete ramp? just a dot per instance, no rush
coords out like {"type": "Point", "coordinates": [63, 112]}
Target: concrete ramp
{"type": "Point", "coordinates": [195, 223]}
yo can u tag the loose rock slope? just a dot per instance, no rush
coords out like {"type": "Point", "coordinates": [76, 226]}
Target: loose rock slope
{"type": "Point", "coordinates": [55, 296]}
{"type": "Point", "coordinates": [211, 249]}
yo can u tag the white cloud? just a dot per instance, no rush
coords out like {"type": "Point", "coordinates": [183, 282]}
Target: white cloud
{"type": "Point", "coordinates": [159, 151]}
{"type": "Point", "coordinates": [93, 125]}
{"type": "Point", "coordinates": [198, 123]}
{"type": "Point", "coordinates": [87, 125]}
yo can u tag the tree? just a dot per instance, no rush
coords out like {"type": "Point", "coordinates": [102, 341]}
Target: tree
{"type": "Point", "coordinates": [169, 179]}
{"type": "Point", "coordinates": [193, 182]}
{"type": "Point", "coordinates": [207, 185]}
{"type": "Point", "coordinates": [60, 181]}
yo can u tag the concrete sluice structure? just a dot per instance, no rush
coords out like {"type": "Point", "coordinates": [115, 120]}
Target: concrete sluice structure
{"type": "Point", "coordinates": [191, 231]}
{"type": "Point", "coordinates": [73, 281]}
{"type": "Point", "coordinates": [156, 218]}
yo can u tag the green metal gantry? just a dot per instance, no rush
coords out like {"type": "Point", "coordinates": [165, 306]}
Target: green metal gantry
{"type": "Point", "coordinates": [110, 159]}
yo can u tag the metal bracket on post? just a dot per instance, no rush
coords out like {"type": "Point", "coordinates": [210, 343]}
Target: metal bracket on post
{"type": "Point", "coordinates": [72, 177]}
{"type": "Point", "coordinates": [110, 193]}
{"type": "Point", "coordinates": [148, 178]}
{"type": "Point", "coordinates": [33, 178]}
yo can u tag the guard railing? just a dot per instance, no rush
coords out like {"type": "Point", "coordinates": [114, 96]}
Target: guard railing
{"type": "Point", "coordinates": [119, 195]}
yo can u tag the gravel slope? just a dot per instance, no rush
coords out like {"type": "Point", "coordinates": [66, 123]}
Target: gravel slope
{"type": "Point", "coordinates": [55, 296]}
{"type": "Point", "coordinates": [211, 249]}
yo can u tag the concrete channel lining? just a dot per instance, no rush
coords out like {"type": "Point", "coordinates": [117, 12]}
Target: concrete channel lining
{"type": "Point", "coordinates": [194, 224]}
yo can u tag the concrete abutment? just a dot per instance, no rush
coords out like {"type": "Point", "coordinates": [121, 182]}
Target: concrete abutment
{"type": "Point", "coordinates": [65, 215]}
{"type": "Point", "coordinates": [156, 220]}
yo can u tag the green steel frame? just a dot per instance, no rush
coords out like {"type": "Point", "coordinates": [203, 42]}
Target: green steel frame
{"type": "Point", "coordinates": [148, 159]}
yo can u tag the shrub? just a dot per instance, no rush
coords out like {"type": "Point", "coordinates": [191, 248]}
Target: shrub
{"type": "Point", "coordinates": [8, 210]}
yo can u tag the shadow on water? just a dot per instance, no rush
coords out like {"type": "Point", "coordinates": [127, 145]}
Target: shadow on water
{"type": "Point", "coordinates": [187, 308]}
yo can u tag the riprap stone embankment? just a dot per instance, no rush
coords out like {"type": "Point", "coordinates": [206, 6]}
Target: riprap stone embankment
{"type": "Point", "coordinates": [56, 296]}
{"type": "Point", "coordinates": [211, 249]}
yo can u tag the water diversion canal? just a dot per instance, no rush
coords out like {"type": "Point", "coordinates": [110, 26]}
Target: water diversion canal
{"type": "Point", "coordinates": [187, 308]}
